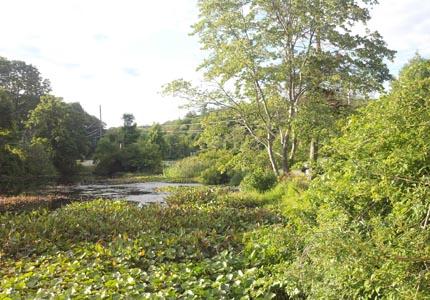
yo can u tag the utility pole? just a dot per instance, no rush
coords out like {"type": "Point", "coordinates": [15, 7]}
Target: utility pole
{"type": "Point", "coordinates": [101, 123]}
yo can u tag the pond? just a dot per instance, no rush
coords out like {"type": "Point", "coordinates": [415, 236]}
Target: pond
{"type": "Point", "coordinates": [142, 193]}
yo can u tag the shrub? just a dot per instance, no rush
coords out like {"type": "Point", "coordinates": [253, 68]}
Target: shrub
{"type": "Point", "coordinates": [211, 167]}
{"type": "Point", "coordinates": [136, 157]}
{"type": "Point", "coordinates": [236, 178]}
{"type": "Point", "coordinates": [213, 175]}
{"type": "Point", "coordinates": [109, 164]}
{"type": "Point", "coordinates": [189, 167]}
{"type": "Point", "coordinates": [259, 180]}
{"type": "Point", "coordinates": [372, 200]}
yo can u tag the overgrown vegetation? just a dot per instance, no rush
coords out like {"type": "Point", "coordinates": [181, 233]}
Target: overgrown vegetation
{"type": "Point", "coordinates": [371, 203]}
{"type": "Point", "coordinates": [201, 246]}
{"type": "Point", "coordinates": [331, 189]}
{"type": "Point", "coordinates": [125, 150]}
{"type": "Point", "coordinates": [41, 137]}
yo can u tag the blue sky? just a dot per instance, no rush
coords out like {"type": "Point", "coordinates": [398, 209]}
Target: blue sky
{"type": "Point", "coordinates": [119, 53]}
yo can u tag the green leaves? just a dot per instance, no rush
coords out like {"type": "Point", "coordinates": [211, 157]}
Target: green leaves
{"type": "Point", "coordinates": [190, 249]}
{"type": "Point", "coordinates": [266, 60]}
{"type": "Point", "coordinates": [372, 198]}
{"type": "Point", "coordinates": [62, 126]}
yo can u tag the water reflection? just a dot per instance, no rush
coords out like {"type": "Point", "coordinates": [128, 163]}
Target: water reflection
{"type": "Point", "coordinates": [142, 193]}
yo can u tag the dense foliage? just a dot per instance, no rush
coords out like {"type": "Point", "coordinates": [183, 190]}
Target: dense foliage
{"type": "Point", "coordinates": [40, 135]}
{"type": "Point", "coordinates": [177, 138]}
{"type": "Point", "coordinates": [203, 245]}
{"type": "Point", "coordinates": [62, 129]}
{"type": "Point", "coordinates": [188, 168]}
{"type": "Point", "coordinates": [360, 231]}
{"type": "Point", "coordinates": [259, 180]}
{"type": "Point", "coordinates": [362, 228]}
{"type": "Point", "coordinates": [372, 202]}
{"type": "Point", "coordinates": [125, 149]}
{"type": "Point", "coordinates": [267, 61]}
{"type": "Point", "coordinates": [211, 166]}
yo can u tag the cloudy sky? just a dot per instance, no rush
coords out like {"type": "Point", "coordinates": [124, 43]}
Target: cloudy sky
{"type": "Point", "coordinates": [118, 54]}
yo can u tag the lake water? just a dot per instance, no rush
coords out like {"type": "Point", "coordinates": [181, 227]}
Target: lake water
{"type": "Point", "coordinates": [142, 193]}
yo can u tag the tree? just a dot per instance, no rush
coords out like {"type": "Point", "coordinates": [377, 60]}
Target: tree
{"type": "Point", "coordinates": [6, 109]}
{"type": "Point", "coordinates": [129, 130]}
{"type": "Point", "coordinates": [181, 136]}
{"type": "Point", "coordinates": [57, 123]}
{"type": "Point", "coordinates": [24, 84]}
{"type": "Point", "coordinates": [90, 123]}
{"type": "Point", "coordinates": [220, 132]}
{"type": "Point", "coordinates": [266, 56]}
{"type": "Point", "coordinates": [11, 156]}
{"type": "Point", "coordinates": [156, 137]}
{"type": "Point", "coordinates": [56, 132]}
{"type": "Point", "coordinates": [124, 149]}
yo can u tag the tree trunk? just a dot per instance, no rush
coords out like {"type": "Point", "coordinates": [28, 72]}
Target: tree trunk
{"type": "Point", "coordinates": [272, 156]}
{"type": "Point", "coordinates": [293, 148]}
{"type": "Point", "coordinates": [285, 161]}
{"type": "Point", "coordinates": [313, 156]}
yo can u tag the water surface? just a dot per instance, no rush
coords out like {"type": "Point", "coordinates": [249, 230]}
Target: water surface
{"type": "Point", "coordinates": [142, 193]}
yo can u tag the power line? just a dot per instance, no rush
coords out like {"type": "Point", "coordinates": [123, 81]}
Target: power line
{"type": "Point", "coordinates": [183, 131]}
{"type": "Point", "coordinates": [94, 123]}
{"type": "Point", "coordinates": [101, 123]}
{"type": "Point", "coordinates": [93, 132]}
{"type": "Point", "coordinates": [191, 124]}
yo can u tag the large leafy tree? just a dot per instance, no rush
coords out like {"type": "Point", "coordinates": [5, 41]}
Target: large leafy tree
{"type": "Point", "coordinates": [10, 155]}
{"type": "Point", "coordinates": [24, 84]}
{"type": "Point", "coordinates": [265, 57]}
{"type": "Point", "coordinates": [62, 128]}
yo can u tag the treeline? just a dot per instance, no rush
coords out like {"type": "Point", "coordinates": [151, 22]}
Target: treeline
{"type": "Point", "coordinates": [143, 149]}
{"type": "Point", "coordinates": [41, 136]}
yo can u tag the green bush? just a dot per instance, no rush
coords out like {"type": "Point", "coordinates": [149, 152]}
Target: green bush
{"type": "Point", "coordinates": [259, 180]}
{"type": "Point", "coordinates": [189, 167]}
{"type": "Point", "coordinates": [236, 178]}
{"type": "Point", "coordinates": [371, 239]}
{"type": "Point", "coordinates": [137, 157]}
{"type": "Point", "coordinates": [38, 159]}
{"type": "Point", "coordinates": [210, 167]}
{"type": "Point", "coordinates": [213, 176]}
{"type": "Point", "coordinates": [108, 165]}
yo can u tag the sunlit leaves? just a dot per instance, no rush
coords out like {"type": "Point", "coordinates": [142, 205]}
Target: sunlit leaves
{"type": "Point", "coordinates": [108, 249]}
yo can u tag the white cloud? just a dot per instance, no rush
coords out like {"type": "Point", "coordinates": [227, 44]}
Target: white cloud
{"type": "Point", "coordinates": [120, 53]}
{"type": "Point", "coordinates": [114, 53]}
{"type": "Point", "coordinates": [404, 26]}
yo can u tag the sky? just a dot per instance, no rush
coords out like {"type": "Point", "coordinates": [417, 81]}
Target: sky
{"type": "Point", "coordinates": [118, 54]}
